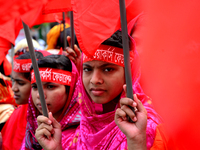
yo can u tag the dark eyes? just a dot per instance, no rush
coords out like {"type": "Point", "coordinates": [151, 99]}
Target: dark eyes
{"type": "Point", "coordinates": [50, 86]}
{"type": "Point", "coordinates": [103, 69]}
{"type": "Point", "coordinates": [34, 86]}
{"type": "Point", "coordinates": [17, 81]}
{"type": "Point", "coordinates": [87, 69]}
{"type": "Point", "coordinates": [20, 83]}
{"type": "Point", "coordinates": [108, 69]}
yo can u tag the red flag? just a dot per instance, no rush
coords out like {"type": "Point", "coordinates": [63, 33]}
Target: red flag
{"type": "Point", "coordinates": [51, 12]}
{"type": "Point", "coordinates": [170, 67]}
{"type": "Point", "coordinates": [9, 32]}
{"type": "Point", "coordinates": [54, 6]}
{"type": "Point", "coordinates": [95, 21]}
{"type": "Point", "coordinates": [11, 9]}
{"type": "Point", "coordinates": [4, 47]}
{"type": "Point", "coordinates": [36, 17]}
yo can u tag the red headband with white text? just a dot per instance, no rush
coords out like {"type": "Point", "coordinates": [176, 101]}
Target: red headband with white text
{"type": "Point", "coordinates": [53, 75]}
{"type": "Point", "coordinates": [109, 54]}
{"type": "Point", "coordinates": [22, 65]}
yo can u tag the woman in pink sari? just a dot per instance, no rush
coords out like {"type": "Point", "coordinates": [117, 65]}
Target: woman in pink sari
{"type": "Point", "coordinates": [58, 76]}
{"type": "Point", "coordinates": [104, 105]}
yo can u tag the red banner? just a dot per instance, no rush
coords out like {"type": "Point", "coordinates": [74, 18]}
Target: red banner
{"type": "Point", "coordinates": [170, 67]}
{"type": "Point", "coordinates": [95, 21]}
{"type": "Point", "coordinates": [14, 9]}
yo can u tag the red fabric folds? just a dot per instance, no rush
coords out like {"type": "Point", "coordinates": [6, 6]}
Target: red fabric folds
{"type": "Point", "coordinates": [9, 32]}
{"type": "Point", "coordinates": [4, 47]}
{"type": "Point", "coordinates": [32, 12]}
{"type": "Point", "coordinates": [54, 6]}
{"type": "Point", "coordinates": [7, 67]}
{"type": "Point", "coordinates": [99, 20]}
{"type": "Point", "coordinates": [50, 12]}
{"type": "Point", "coordinates": [170, 67]}
{"type": "Point", "coordinates": [14, 129]}
{"type": "Point", "coordinates": [36, 17]}
{"type": "Point", "coordinates": [11, 9]}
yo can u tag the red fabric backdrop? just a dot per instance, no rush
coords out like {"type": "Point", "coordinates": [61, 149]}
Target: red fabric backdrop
{"type": "Point", "coordinates": [170, 66]}
{"type": "Point", "coordinates": [32, 12]}
{"type": "Point", "coordinates": [99, 19]}
{"type": "Point", "coordinates": [11, 9]}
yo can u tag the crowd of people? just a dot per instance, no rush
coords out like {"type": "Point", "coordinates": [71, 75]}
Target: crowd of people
{"type": "Point", "coordinates": [85, 97]}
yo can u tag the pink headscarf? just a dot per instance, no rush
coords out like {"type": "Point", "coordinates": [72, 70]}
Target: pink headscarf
{"type": "Point", "coordinates": [99, 131]}
{"type": "Point", "coordinates": [70, 120]}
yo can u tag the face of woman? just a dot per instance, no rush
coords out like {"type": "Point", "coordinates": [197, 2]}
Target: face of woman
{"type": "Point", "coordinates": [103, 81]}
{"type": "Point", "coordinates": [21, 88]}
{"type": "Point", "coordinates": [55, 96]}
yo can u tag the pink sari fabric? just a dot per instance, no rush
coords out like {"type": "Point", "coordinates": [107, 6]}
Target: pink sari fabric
{"type": "Point", "coordinates": [99, 131]}
{"type": "Point", "coordinates": [69, 121]}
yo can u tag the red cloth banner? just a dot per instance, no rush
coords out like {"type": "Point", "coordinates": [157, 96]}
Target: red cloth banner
{"type": "Point", "coordinates": [109, 54]}
{"type": "Point", "coordinates": [54, 6]}
{"type": "Point", "coordinates": [36, 17]}
{"type": "Point", "coordinates": [97, 20]}
{"type": "Point", "coordinates": [11, 9]}
{"type": "Point", "coordinates": [53, 75]}
{"type": "Point", "coordinates": [22, 65]}
{"type": "Point", "coordinates": [170, 67]}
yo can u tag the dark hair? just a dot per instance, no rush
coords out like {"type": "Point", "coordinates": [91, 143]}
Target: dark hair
{"type": "Point", "coordinates": [56, 61]}
{"type": "Point", "coordinates": [60, 41]}
{"type": "Point", "coordinates": [115, 40]}
{"type": "Point", "coordinates": [26, 55]}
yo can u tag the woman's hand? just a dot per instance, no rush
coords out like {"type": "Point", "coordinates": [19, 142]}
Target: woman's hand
{"type": "Point", "coordinates": [135, 132]}
{"type": "Point", "coordinates": [48, 133]}
{"type": "Point", "coordinates": [74, 54]}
